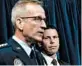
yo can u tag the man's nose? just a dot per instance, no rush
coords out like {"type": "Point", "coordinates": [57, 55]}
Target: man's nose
{"type": "Point", "coordinates": [51, 40]}
{"type": "Point", "coordinates": [43, 24]}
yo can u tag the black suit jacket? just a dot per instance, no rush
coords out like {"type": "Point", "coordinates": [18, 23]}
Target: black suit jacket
{"type": "Point", "coordinates": [43, 61]}
{"type": "Point", "coordinates": [14, 51]}
{"type": "Point", "coordinates": [62, 62]}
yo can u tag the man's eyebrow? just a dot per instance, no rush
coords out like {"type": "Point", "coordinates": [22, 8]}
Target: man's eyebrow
{"type": "Point", "coordinates": [47, 36]}
{"type": "Point", "coordinates": [56, 36]}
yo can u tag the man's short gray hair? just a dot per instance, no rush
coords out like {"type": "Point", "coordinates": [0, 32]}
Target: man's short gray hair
{"type": "Point", "coordinates": [19, 8]}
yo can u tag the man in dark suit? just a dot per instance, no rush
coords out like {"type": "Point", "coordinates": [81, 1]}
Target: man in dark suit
{"type": "Point", "coordinates": [28, 18]}
{"type": "Point", "coordinates": [50, 46]}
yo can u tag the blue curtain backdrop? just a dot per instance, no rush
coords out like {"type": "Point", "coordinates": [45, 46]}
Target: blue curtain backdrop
{"type": "Point", "coordinates": [64, 14]}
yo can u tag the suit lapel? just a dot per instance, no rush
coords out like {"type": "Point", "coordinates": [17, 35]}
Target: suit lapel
{"type": "Point", "coordinates": [62, 62]}
{"type": "Point", "coordinates": [20, 53]}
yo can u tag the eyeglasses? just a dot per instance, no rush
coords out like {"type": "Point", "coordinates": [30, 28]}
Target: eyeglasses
{"type": "Point", "coordinates": [36, 18]}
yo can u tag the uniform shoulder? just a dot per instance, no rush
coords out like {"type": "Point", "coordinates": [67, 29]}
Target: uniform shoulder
{"type": "Point", "coordinates": [4, 45]}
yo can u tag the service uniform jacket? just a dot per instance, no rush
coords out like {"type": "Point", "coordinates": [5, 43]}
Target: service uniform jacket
{"type": "Point", "coordinates": [13, 54]}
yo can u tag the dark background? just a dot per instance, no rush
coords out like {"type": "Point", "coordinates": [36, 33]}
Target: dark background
{"type": "Point", "coordinates": [64, 14]}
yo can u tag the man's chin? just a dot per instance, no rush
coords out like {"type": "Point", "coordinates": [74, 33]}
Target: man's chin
{"type": "Point", "coordinates": [35, 38]}
{"type": "Point", "coordinates": [50, 54]}
{"type": "Point", "coordinates": [38, 39]}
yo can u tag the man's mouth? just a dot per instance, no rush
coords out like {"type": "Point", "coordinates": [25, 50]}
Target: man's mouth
{"type": "Point", "coordinates": [40, 32]}
{"type": "Point", "coordinates": [53, 47]}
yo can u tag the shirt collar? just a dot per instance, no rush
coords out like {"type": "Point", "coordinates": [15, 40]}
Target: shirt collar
{"type": "Point", "coordinates": [23, 45]}
{"type": "Point", "coordinates": [49, 59]}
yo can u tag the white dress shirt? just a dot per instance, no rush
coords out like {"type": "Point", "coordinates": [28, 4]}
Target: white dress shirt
{"type": "Point", "coordinates": [24, 45]}
{"type": "Point", "coordinates": [49, 60]}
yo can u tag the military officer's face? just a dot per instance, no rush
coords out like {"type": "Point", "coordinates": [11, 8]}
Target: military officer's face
{"type": "Point", "coordinates": [34, 25]}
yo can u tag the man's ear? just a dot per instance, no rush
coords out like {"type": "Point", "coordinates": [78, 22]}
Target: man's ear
{"type": "Point", "coordinates": [19, 23]}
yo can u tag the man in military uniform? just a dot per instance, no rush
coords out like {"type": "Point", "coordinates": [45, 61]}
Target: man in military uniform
{"type": "Point", "coordinates": [28, 18]}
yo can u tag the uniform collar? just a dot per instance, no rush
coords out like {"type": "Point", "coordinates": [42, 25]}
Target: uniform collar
{"type": "Point", "coordinates": [24, 45]}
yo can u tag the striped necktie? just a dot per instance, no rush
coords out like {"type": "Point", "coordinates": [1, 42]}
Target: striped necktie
{"type": "Point", "coordinates": [54, 62]}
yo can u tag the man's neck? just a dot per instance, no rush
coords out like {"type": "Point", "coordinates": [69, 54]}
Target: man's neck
{"type": "Point", "coordinates": [50, 55]}
{"type": "Point", "coordinates": [22, 38]}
